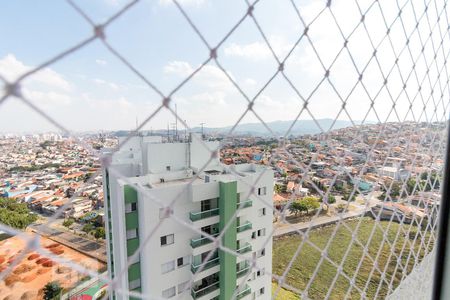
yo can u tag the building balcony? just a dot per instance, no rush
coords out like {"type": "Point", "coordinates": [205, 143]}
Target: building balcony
{"type": "Point", "coordinates": [211, 263]}
{"type": "Point", "coordinates": [205, 290]}
{"type": "Point", "coordinates": [246, 291]}
{"type": "Point", "coordinates": [201, 241]}
{"type": "Point", "coordinates": [244, 204]}
{"type": "Point", "coordinates": [196, 216]}
{"type": "Point", "coordinates": [241, 271]}
{"type": "Point", "coordinates": [246, 248]}
{"type": "Point", "coordinates": [244, 227]}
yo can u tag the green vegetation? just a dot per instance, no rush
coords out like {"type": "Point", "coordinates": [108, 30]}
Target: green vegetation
{"type": "Point", "coordinates": [99, 233]}
{"type": "Point", "coordinates": [283, 294]}
{"type": "Point", "coordinates": [68, 222]}
{"type": "Point", "coordinates": [88, 227]}
{"type": "Point", "coordinates": [308, 258]}
{"type": "Point", "coordinates": [15, 214]}
{"type": "Point", "coordinates": [52, 290]}
{"type": "Point", "coordinates": [33, 168]}
{"type": "Point", "coordinates": [307, 204]}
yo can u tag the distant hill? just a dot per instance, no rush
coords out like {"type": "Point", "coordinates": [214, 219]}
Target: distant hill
{"type": "Point", "coordinates": [281, 127]}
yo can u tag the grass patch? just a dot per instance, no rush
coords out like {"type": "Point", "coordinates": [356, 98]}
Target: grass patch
{"type": "Point", "coordinates": [283, 294]}
{"type": "Point", "coordinates": [377, 287]}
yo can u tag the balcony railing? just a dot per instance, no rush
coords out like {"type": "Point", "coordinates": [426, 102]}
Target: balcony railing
{"type": "Point", "coordinates": [243, 270]}
{"type": "Point", "coordinates": [244, 292]}
{"type": "Point", "coordinates": [245, 204]}
{"type": "Point", "coordinates": [244, 227]}
{"type": "Point", "coordinates": [211, 263]}
{"type": "Point", "coordinates": [195, 216]}
{"type": "Point", "coordinates": [202, 241]}
{"type": "Point", "coordinates": [204, 291]}
{"type": "Point", "coordinates": [247, 248]}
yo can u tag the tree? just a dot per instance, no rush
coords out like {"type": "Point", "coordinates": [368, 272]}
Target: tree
{"type": "Point", "coordinates": [297, 207]}
{"type": "Point", "coordinates": [68, 222]}
{"type": "Point", "coordinates": [99, 233]}
{"type": "Point", "coordinates": [330, 199]}
{"type": "Point", "coordinates": [52, 290]}
{"type": "Point", "coordinates": [280, 188]}
{"type": "Point", "coordinates": [15, 214]}
{"type": "Point", "coordinates": [88, 228]}
{"type": "Point", "coordinates": [311, 203]}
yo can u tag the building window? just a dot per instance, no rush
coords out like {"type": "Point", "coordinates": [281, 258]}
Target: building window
{"type": "Point", "coordinates": [261, 291]}
{"type": "Point", "coordinates": [168, 267]}
{"type": "Point", "coordinates": [132, 233]}
{"type": "Point", "coordinates": [182, 261]}
{"type": "Point", "coordinates": [184, 286]}
{"type": "Point", "coordinates": [254, 235]}
{"type": "Point", "coordinates": [262, 232]}
{"type": "Point", "coordinates": [167, 240]}
{"type": "Point", "coordinates": [169, 293]}
{"type": "Point", "coordinates": [134, 284]}
{"type": "Point", "coordinates": [167, 168]}
{"type": "Point", "coordinates": [262, 191]}
{"type": "Point", "coordinates": [262, 252]}
{"type": "Point", "coordinates": [260, 272]}
{"type": "Point", "coordinates": [130, 207]}
{"type": "Point", "coordinates": [262, 212]}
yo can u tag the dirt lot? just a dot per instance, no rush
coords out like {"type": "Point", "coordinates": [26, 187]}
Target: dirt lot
{"type": "Point", "coordinates": [28, 278]}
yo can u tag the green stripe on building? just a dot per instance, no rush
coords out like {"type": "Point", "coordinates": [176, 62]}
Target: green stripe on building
{"type": "Point", "coordinates": [227, 209]}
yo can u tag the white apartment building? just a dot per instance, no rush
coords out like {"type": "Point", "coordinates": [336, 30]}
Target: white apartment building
{"type": "Point", "coordinates": [173, 254]}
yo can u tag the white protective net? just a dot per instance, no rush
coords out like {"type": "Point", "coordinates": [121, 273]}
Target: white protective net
{"type": "Point", "coordinates": [382, 65]}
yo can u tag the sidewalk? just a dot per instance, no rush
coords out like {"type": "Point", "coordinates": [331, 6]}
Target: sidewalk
{"type": "Point", "coordinates": [315, 223]}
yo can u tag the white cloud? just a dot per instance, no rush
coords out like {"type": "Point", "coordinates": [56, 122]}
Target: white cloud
{"type": "Point", "coordinates": [259, 50]}
{"type": "Point", "coordinates": [48, 99]}
{"type": "Point", "coordinates": [101, 62]}
{"type": "Point", "coordinates": [102, 82]}
{"type": "Point", "coordinates": [209, 76]}
{"type": "Point", "coordinates": [11, 68]}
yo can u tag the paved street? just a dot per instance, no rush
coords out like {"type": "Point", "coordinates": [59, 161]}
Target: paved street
{"type": "Point", "coordinates": [359, 210]}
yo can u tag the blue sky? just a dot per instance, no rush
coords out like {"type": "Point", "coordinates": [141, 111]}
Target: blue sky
{"type": "Point", "coordinates": [92, 90]}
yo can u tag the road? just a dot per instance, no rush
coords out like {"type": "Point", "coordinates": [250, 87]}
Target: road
{"type": "Point", "coordinates": [89, 247]}
{"type": "Point", "coordinates": [359, 210]}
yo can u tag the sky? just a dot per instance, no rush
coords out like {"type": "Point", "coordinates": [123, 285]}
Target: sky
{"type": "Point", "coordinates": [91, 89]}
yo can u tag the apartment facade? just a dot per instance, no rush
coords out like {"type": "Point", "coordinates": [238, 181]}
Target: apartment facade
{"type": "Point", "coordinates": [176, 260]}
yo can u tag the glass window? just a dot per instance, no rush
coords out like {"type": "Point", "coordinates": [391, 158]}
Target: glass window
{"type": "Point", "coordinates": [167, 240]}
{"type": "Point", "coordinates": [134, 284]}
{"type": "Point", "coordinates": [183, 261]}
{"type": "Point", "coordinates": [132, 233]}
{"type": "Point", "coordinates": [167, 267]}
{"type": "Point", "coordinates": [169, 293]}
{"type": "Point", "coordinates": [183, 287]}
{"type": "Point", "coordinates": [130, 207]}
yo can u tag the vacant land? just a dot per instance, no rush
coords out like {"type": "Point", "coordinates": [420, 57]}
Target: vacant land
{"type": "Point", "coordinates": [283, 294]}
{"type": "Point", "coordinates": [367, 276]}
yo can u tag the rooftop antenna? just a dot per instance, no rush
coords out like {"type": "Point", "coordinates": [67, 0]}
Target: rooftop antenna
{"type": "Point", "coordinates": [176, 122]}
{"type": "Point", "coordinates": [201, 124]}
{"type": "Point", "coordinates": [168, 133]}
{"type": "Point", "coordinates": [137, 133]}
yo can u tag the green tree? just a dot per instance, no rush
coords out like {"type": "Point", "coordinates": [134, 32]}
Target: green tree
{"type": "Point", "coordinates": [88, 227]}
{"type": "Point", "coordinates": [297, 207]}
{"type": "Point", "coordinates": [52, 290]}
{"type": "Point", "coordinates": [99, 233]}
{"type": "Point", "coordinates": [15, 214]}
{"type": "Point", "coordinates": [331, 199]}
{"type": "Point", "coordinates": [311, 203]}
{"type": "Point", "coordinates": [68, 222]}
